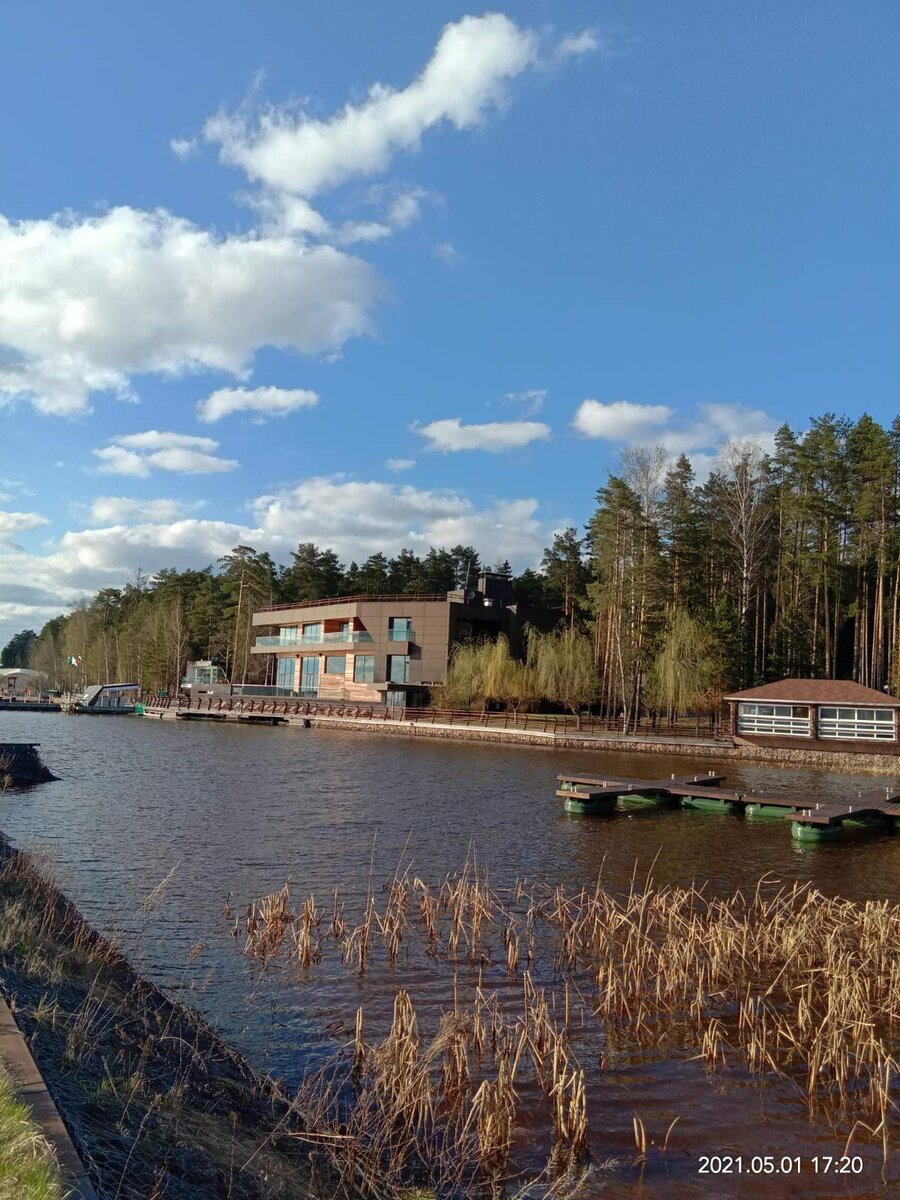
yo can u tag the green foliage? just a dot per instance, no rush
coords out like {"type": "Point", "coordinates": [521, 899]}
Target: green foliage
{"type": "Point", "coordinates": [17, 650]}
{"type": "Point", "coordinates": [686, 675]}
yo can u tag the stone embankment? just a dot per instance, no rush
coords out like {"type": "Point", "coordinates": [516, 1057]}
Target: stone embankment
{"type": "Point", "coordinates": [156, 1104]}
{"type": "Point", "coordinates": [720, 750]}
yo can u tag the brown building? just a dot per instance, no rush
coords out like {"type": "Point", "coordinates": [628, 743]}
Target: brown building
{"type": "Point", "coordinates": [387, 648]}
{"type": "Point", "coordinates": [827, 710]}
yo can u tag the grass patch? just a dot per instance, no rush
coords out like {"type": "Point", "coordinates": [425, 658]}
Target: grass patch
{"type": "Point", "coordinates": [28, 1168]}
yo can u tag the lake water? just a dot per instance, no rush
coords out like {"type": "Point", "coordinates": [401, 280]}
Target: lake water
{"type": "Point", "coordinates": [239, 810]}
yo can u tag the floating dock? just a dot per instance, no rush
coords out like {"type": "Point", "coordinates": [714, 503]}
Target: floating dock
{"type": "Point", "coordinates": [876, 808]}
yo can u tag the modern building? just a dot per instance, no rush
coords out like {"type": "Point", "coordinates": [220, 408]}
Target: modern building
{"type": "Point", "coordinates": [826, 710]}
{"type": "Point", "coordinates": [390, 649]}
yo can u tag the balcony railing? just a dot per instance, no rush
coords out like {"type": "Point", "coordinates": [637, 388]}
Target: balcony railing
{"type": "Point", "coordinates": [401, 635]}
{"type": "Point", "coordinates": [353, 635]}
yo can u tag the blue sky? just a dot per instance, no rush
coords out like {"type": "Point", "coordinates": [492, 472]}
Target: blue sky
{"type": "Point", "coordinates": [245, 297]}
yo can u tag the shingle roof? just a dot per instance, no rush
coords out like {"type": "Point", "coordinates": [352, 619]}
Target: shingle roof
{"type": "Point", "coordinates": [818, 691]}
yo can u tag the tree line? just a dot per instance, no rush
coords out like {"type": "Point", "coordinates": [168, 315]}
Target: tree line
{"type": "Point", "coordinates": [777, 564]}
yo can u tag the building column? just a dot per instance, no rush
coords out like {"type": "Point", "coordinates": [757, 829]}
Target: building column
{"type": "Point", "coordinates": [814, 721]}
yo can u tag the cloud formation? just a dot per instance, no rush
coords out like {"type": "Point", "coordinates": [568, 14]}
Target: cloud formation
{"type": "Point", "coordinates": [138, 454]}
{"type": "Point", "coordinates": [18, 522]}
{"type": "Point", "coordinates": [263, 402]}
{"type": "Point", "coordinates": [179, 299]}
{"type": "Point", "coordinates": [122, 510]}
{"type": "Point", "coordinates": [467, 75]}
{"type": "Point", "coordinates": [620, 420]}
{"type": "Point", "coordinates": [494, 437]}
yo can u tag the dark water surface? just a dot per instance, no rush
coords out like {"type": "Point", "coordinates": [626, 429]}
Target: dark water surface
{"type": "Point", "coordinates": [239, 810]}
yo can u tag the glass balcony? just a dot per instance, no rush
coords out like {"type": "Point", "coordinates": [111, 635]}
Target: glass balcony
{"type": "Point", "coordinates": [401, 635]}
{"type": "Point", "coordinates": [351, 636]}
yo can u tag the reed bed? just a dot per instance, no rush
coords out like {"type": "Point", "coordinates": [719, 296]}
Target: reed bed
{"type": "Point", "coordinates": [782, 983]}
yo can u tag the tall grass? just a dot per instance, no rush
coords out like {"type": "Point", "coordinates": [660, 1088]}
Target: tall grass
{"type": "Point", "coordinates": [779, 984]}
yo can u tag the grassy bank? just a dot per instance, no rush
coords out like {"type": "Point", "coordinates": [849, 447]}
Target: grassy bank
{"type": "Point", "coordinates": [28, 1169]}
{"type": "Point", "coordinates": [156, 1104]}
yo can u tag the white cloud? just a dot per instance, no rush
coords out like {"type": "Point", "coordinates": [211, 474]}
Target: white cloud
{"type": "Point", "coordinates": [578, 43]}
{"type": "Point", "coordinates": [466, 76]}
{"type": "Point", "coordinates": [400, 464]}
{"type": "Point", "coordinates": [139, 453]}
{"type": "Point", "coordinates": [122, 510]}
{"type": "Point", "coordinates": [87, 302]}
{"type": "Point", "coordinates": [494, 436]}
{"type": "Point", "coordinates": [448, 254]}
{"type": "Point", "coordinates": [530, 402]}
{"type": "Point", "coordinates": [183, 148]}
{"type": "Point", "coordinates": [620, 421]}
{"type": "Point", "coordinates": [360, 518]}
{"type": "Point", "coordinates": [263, 401]}
{"type": "Point", "coordinates": [18, 522]}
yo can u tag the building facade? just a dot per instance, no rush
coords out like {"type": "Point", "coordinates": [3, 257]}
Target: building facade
{"type": "Point", "coordinates": [828, 710]}
{"type": "Point", "coordinates": [389, 649]}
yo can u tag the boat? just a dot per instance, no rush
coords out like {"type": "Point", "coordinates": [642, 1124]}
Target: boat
{"type": "Point", "coordinates": [109, 700]}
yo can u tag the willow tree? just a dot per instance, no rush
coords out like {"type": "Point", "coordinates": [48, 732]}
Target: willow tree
{"type": "Point", "coordinates": [564, 671]}
{"type": "Point", "coordinates": [686, 675]}
{"type": "Point", "coordinates": [484, 671]}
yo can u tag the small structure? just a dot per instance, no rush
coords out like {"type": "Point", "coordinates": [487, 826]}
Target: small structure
{"type": "Point", "coordinates": [109, 699]}
{"type": "Point", "coordinates": [204, 677]}
{"type": "Point", "coordinates": [816, 710]}
{"type": "Point", "coordinates": [18, 683]}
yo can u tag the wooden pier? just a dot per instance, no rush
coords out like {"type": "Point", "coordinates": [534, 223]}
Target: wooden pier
{"type": "Point", "coordinates": [878, 808]}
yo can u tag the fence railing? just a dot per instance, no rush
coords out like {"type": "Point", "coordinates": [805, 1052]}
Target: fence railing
{"type": "Point", "coordinates": [702, 725]}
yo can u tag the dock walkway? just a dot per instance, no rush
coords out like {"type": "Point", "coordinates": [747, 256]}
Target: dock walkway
{"type": "Point", "coordinates": [878, 807]}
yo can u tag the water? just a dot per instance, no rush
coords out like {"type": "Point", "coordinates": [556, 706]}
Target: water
{"type": "Point", "coordinates": [239, 810]}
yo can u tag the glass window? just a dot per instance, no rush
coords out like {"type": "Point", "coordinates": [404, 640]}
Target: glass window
{"type": "Point", "coordinates": [364, 668]}
{"type": "Point", "coordinates": [312, 632]}
{"type": "Point", "coordinates": [284, 675]}
{"type": "Point", "coordinates": [398, 668]}
{"type": "Point", "coordinates": [853, 724]}
{"type": "Point", "coordinates": [335, 664]}
{"type": "Point", "coordinates": [345, 629]}
{"type": "Point", "coordinates": [309, 675]}
{"type": "Point", "coordinates": [395, 699]}
{"type": "Point", "coordinates": [288, 635]}
{"type": "Point", "coordinates": [788, 720]}
{"type": "Point", "coordinates": [399, 629]}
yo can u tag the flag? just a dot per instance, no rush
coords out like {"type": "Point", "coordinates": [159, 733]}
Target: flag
{"type": "Point", "coordinates": [73, 661]}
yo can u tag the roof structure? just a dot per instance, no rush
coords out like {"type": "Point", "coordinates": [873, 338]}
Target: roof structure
{"type": "Point", "coordinates": [818, 691]}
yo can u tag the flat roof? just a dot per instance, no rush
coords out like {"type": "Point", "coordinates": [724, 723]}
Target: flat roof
{"type": "Point", "coordinates": [359, 599]}
{"type": "Point", "coordinates": [818, 691]}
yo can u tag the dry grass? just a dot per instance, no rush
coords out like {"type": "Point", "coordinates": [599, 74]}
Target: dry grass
{"type": "Point", "coordinates": [783, 983]}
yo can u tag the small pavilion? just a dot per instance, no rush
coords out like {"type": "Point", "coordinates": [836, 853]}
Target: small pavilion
{"type": "Point", "coordinates": [816, 709]}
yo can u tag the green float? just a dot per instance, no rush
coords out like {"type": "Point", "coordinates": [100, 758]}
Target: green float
{"type": "Point", "coordinates": [801, 832]}
{"type": "Point", "coordinates": [643, 799]}
{"type": "Point", "coordinates": [708, 804]}
{"type": "Point", "coordinates": [586, 804]}
{"type": "Point", "coordinates": [765, 812]}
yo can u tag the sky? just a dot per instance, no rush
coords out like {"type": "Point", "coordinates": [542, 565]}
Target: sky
{"type": "Point", "coordinates": [377, 276]}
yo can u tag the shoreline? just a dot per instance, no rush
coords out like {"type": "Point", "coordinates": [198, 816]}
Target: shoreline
{"type": "Point", "coordinates": [153, 1099]}
{"type": "Point", "coordinates": [787, 756]}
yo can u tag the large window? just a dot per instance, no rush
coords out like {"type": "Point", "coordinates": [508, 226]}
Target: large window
{"type": "Point", "coordinates": [398, 668]}
{"type": "Point", "coordinates": [309, 675]}
{"type": "Point", "coordinates": [284, 675]}
{"type": "Point", "coordinates": [853, 723]}
{"type": "Point", "coordinates": [312, 632]}
{"type": "Point", "coordinates": [335, 664]}
{"type": "Point", "coordinates": [288, 635]}
{"type": "Point", "coordinates": [788, 720]}
{"type": "Point", "coordinates": [400, 629]}
{"type": "Point", "coordinates": [364, 668]}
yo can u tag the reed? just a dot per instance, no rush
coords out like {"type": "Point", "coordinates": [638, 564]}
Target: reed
{"type": "Point", "coordinates": [782, 982]}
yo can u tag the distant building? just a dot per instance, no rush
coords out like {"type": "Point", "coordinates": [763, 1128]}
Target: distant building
{"type": "Point", "coordinates": [387, 648]}
{"type": "Point", "coordinates": [816, 709]}
{"type": "Point", "coordinates": [17, 683]}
